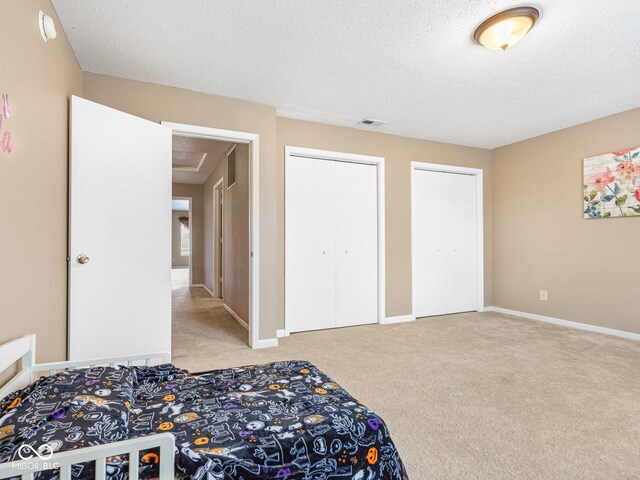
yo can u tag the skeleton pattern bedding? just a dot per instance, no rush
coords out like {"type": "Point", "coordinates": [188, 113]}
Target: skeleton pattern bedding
{"type": "Point", "coordinates": [281, 420]}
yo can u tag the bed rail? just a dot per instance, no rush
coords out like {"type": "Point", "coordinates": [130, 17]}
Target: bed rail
{"type": "Point", "coordinates": [143, 359]}
{"type": "Point", "coordinates": [63, 461]}
{"type": "Point", "coordinates": [23, 351]}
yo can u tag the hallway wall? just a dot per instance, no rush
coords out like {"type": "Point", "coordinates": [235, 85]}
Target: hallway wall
{"type": "Point", "coordinates": [236, 233]}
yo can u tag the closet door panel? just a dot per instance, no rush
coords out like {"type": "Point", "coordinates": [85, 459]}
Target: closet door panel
{"type": "Point", "coordinates": [462, 291]}
{"type": "Point", "coordinates": [309, 244]}
{"type": "Point", "coordinates": [430, 219]}
{"type": "Point", "coordinates": [356, 236]}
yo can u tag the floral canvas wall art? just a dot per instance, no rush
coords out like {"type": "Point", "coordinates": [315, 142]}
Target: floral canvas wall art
{"type": "Point", "coordinates": [612, 184]}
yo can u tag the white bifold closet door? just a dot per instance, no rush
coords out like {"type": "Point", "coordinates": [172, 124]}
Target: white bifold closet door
{"type": "Point", "coordinates": [445, 255]}
{"type": "Point", "coordinates": [331, 244]}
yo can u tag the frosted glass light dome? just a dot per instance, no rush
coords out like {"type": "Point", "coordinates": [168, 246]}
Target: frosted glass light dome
{"type": "Point", "coordinates": [507, 28]}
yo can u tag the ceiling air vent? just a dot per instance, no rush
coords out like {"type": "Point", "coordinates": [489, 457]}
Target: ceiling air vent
{"type": "Point", "coordinates": [369, 122]}
{"type": "Point", "coordinates": [231, 168]}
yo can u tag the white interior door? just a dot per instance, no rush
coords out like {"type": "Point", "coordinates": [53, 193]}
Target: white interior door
{"type": "Point", "coordinates": [310, 244]}
{"type": "Point", "coordinates": [444, 235]}
{"type": "Point", "coordinates": [356, 244]}
{"type": "Point", "coordinates": [120, 218]}
{"type": "Point", "coordinates": [331, 244]}
{"type": "Point", "coordinates": [429, 213]}
{"type": "Point", "coordinates": [462, 275]}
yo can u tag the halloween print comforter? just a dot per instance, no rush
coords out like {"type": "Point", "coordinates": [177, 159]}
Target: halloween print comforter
{"type": "Point", "coordinates": [281, 420]}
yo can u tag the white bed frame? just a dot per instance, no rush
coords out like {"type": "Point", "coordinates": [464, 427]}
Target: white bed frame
{"type": "Point", "coordinates": [23, 351]}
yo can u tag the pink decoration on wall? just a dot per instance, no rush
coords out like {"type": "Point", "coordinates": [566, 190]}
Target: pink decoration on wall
{"type": "Point", "coordinates": [5, 143]}
{"type": "Point", "coordinates": [5, 106]}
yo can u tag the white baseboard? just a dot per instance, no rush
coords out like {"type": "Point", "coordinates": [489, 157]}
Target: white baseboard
{"type": "Point", "coordinates": [266, 343]}
{"type": "Point", "coordinates": [282, 333]}
{"type": "Point", "coordinates": [398, 319]}
{"type": "Point", "coordinates": [565, 323]}
{"type": "Point", "coordinates": [204, 287]}
{"type": "Point", "coordinates": [244, 324]}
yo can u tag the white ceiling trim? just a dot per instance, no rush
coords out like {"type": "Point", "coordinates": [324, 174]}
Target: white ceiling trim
{"type": "Point", "coordinates": [192, 169]}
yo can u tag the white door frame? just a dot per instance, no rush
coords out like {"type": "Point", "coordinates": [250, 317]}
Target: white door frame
{"type": "Point", "coordinates": [218, 196]}
{"type": "Point", "coordinates": [478, 174]}
{"type": "Point", "coordinates": [252, 139]}
{"type": "Point", "coordinates": [378, 162]}
{"type": "Point", "coordinates": [190, 200]}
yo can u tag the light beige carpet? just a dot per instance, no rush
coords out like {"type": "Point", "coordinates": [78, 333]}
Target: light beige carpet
{"type": "Point", "coordinates": [470, 396]}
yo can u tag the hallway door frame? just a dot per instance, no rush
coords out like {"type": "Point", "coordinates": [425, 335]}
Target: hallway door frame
{"type": "Point", "coordinates": [252, 140]}
{"type": "Point", "coordinates": [218, 235]}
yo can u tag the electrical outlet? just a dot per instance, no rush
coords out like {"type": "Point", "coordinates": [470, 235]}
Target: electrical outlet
{"type": "Point", "coordinates": [544, 295]}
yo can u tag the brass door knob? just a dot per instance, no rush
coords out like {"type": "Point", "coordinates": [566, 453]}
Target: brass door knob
{"type": "Point", "coordinates": [82, 258]}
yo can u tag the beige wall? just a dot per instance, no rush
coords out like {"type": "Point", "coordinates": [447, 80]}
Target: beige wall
{"type": "Point", "coordinates": [39, 78]}
{"type": "Point", "coordinates": [541, 240]}
{"type": "Point", "coordinates": [235, 230]}
{"type": "Point", "coordinates": [399, 152]}
{"type": "Point", "coordinates": [157, 103]}
{"type": "Point", "coordinates": [177, 260]}
{"type": "Point", "coordinates": [196, 223]}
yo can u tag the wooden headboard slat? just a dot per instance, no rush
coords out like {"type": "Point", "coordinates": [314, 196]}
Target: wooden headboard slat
{"type": "Point", "coordinates": [21, 350]}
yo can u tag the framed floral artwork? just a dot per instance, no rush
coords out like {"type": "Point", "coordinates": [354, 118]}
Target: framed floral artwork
{"type": "Point", "coordinates": [612, 184]}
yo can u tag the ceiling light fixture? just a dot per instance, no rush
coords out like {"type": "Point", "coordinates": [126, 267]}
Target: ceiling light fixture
{"type": "Point", "coordinates": [507, 28]}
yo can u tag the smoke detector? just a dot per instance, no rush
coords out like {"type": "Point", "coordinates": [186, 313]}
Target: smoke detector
{"type": "Point", "coordinates": [47, 27]}
{"type": "Point", "coordinates": [369, 122]}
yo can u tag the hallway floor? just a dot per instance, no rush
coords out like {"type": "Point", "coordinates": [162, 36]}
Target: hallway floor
{"type": "Point", "coordinates": [200, 324]}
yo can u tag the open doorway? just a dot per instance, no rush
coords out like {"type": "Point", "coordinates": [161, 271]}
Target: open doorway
{"type": "Point", "coordinates": [181, 242]}
{"type": "Point", "coordinates": [215, 303]}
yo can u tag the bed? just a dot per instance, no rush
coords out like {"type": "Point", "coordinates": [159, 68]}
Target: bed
{"type": "Point", "coordinates": [142, 417]}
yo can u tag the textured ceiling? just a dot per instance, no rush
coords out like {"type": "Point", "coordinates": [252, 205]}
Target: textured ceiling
{"type": "Point", "coordinates": [193, 149]}
{"type": "Point", "coordinates": [411, 63]}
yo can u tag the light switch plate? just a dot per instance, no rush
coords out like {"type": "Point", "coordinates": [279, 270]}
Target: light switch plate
{"type": "Point", "coordinates": [544, 295]}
